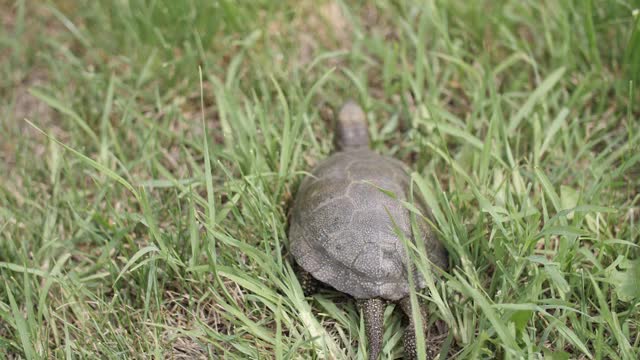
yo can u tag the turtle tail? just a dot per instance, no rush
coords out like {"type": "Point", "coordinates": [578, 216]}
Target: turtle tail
{"type": "Point", "coordinates": [352, 131]}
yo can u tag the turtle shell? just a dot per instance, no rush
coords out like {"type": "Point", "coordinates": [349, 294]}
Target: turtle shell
{"type": "Point", "coordinates": [346, 221]}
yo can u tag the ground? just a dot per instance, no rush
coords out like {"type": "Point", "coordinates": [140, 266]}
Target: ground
{"type": "Point", "coordinates": [149, 151]}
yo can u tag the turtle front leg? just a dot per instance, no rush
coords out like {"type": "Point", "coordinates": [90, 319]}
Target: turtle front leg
{"type": "Point", "coordinates": [373, 311]}
{"type": "Point", "coordinates": [410, 348]}
{"type": "Point", "coordinates": [308, 283]}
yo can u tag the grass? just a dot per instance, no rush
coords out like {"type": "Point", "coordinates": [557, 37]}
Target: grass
{"type": "Point", "coordinates": [143, 204]}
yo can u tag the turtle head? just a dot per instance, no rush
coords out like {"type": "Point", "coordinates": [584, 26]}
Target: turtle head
{"type": "Point", "coordinates": [352, 131]}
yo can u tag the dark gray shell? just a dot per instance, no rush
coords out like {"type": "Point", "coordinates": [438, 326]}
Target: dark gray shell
{"type": "Point", "coordinates": [342, 230]}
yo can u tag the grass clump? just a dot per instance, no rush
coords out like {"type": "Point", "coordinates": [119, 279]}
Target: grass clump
{"type": "Point", "coordinates": [143, 203]}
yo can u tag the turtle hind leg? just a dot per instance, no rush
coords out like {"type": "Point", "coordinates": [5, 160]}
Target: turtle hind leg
{"type": "Point", "coordinates": [308, 283]}
{"type": "Point", "coordinates": [409, 340]}
{"type": "Point", "coordinates": [410, 347]}
{"type": "Point", "coordinates": [373, 311]}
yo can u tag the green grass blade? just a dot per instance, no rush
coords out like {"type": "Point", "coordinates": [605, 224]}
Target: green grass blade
{"type": "Point", "coordinates": [536, 97]}
{"type": "Point", "coordinates": [21, 326]}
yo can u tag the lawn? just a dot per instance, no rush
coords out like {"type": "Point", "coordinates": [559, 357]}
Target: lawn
{"type": "Point", "coordinates": [150, 149]}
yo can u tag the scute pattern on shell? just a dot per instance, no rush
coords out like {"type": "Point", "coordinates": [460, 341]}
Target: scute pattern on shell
{"type": "Point", "coordinates": [343, 229]}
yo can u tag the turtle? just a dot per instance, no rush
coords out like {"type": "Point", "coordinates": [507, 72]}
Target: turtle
{"type": "Point", "coordinates": [347, 226]}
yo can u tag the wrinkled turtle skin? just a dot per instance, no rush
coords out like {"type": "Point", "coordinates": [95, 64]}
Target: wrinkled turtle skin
{"type": "Point", "coordinates": [345, 228]}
